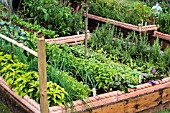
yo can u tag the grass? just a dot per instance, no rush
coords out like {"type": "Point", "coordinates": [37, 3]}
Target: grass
{"type": "Point", "coordinates": [4, 108]}
{"type": "Point", "coordinates": [166, 110]}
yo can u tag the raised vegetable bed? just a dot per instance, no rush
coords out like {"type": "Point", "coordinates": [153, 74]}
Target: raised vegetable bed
{"type": "Point", "coordinates": [145, 98]}
{"type": "Point", "coordinates": [125, 73]}
{"type": "Point", "coordinates": [151, 30]}
{"type": "Point", "coordinates": [164, 38]}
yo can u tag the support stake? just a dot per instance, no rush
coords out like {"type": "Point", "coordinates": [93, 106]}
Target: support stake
{"type": "Point", "coordinates": [86, 28]}
{"type": "Point", "coordinates": [42, 75]}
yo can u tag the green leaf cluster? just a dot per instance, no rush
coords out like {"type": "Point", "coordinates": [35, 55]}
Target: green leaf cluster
{"type": "Point", "coordinates": [54, 16]}
{"type": "Point", "coordinates": [133, 13]}
{"type": "Point", "coordinates": [95, 74]}
{"type": "Point", "coordinates": [136, 13]}
{"type": "Point", "coordinates": [76, 90]}
{"type": "Point", "coordinates": [37, 28]}
{"type": "Point", "coordinates": [25, 82]}
{"type": "Point", "coordinates": [134, 50]}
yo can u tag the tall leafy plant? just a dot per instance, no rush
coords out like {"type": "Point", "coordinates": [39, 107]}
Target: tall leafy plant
{"type": "Point", "coordinates": [52, 15]}
{"type": "Point", "coordinates": [103, 37]}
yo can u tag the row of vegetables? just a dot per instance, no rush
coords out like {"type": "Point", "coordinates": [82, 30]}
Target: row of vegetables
{"type": "Point", "coordinates": [136, 13]}
{"type": "Point", "coordinates": [61, 20]}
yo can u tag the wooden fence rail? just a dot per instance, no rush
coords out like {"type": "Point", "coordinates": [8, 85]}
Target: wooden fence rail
{"type": "Point", "coordinates": [19, 45]}
{"type": "Point", "coordinates": [138, 28]}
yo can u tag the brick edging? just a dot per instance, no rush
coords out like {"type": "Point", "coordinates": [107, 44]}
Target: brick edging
{"type": "Point", "coordinates": [92, 102]}
{"type": "Point", "coordinates": [115, 96]}
{"type": "Point", "coordinates": [162, 35]}
{"type": "Point", "coordinates": [138, 28]}
{"type": "Point", "coordinates": [28, 104]}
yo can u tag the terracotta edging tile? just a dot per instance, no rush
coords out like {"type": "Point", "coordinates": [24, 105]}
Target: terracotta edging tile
{"type": "Point", "coordinates": [99, 100]}
{"type": "Point", "coordinates": [138, 28]}
{"type": "Point", "coordinates": [162, 35]}
{"type": "Point", "coordinates": [17, 97]}
{"type": "Point", "coordinates": [116, 96]}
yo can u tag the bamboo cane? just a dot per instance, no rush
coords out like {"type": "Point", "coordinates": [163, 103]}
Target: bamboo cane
{"type": "Point", "coordinates": [19, 45]}
{"type": "Point", "coordinates": [86, 29]}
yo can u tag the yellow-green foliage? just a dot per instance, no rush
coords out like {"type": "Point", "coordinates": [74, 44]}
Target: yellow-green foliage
{"type": "Point", "coordinates": [25, 82]}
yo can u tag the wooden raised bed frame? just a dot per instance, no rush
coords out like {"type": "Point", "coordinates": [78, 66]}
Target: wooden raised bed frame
{"type": "Point", "coordinates": [151, 30]}
{"type": "Point", "coordinates": [145, 98]}
{"type": "Point", "coordinates": [138, 28]}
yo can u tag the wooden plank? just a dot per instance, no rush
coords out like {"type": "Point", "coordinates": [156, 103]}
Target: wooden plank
{"type": "Point", "coordinates": [162, 35]}
{"type": "Point", "coordinates": [122, 24]}
{"type": "Point", "coordinates": [166, 95]}
{"type": "Point", "coordinates": [156, 108]}
{"type": "Point", "coordinates": [19, 45]}
{"type": "Point", "coordinates": [143, 102]}
{"type": "Point", "coordinates": [42, 75]}
{"type": "Point", "coordinates": [112, 108]}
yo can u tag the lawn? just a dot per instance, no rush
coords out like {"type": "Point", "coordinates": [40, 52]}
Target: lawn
{"type": "Point", "coordinates": [166, 110]}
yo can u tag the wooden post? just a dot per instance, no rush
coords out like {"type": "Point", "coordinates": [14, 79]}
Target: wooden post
{"type": "Point", "coordinates": [139, 27]}
{"type": "Point", "coordinates": [42, 75]}
{"type": "Point", "coordinates": [9, 4]}
{"type": "Point", "coordinates": [86, 29]}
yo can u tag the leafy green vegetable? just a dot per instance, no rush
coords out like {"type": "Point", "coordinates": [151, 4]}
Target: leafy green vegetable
{"type": "Point", "coordinates": [25, 82]}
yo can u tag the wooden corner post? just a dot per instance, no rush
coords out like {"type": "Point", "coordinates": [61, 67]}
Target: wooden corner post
{"type": "Point", "coordinates": [42, 75]}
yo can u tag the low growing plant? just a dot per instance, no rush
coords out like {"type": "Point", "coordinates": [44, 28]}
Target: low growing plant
{"type": "Point", "coordinates": [134, 51]}
{"type": "Point", "coordinates": [95, 74]}
{"type": "Point", "coordinates": [25, 82]}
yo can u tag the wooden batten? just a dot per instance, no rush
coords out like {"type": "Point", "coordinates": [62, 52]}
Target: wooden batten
{"type": "Point", "coordinates": [162, 35]}
{"type": "Point", "coordinates": [19, 45]}
{"type": "Point", "coordinates": [138, 28]}
{"type": "Point", "coordinates": [75, 39]}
